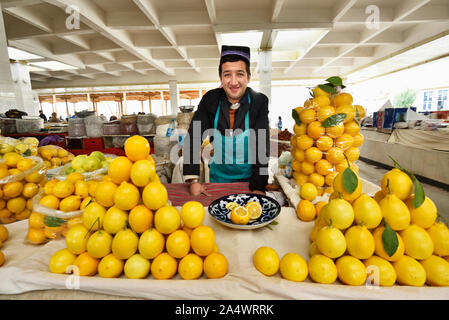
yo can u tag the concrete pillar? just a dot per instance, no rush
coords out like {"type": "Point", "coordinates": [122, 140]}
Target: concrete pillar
{"type": "Point", "coordinates": [174, 96]}
{"type": "Point", "coordinates": [265, 67]}
{"type": "Point", "coordinates": [7, 92]}
{"type": "Point", "coordinates": [22, 88]}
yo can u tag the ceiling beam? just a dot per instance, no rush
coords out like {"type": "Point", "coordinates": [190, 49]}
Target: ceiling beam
{"type": "Point", "coordinates": [341, 8]}
{"type": "Point", "coordinates": [30, 16]}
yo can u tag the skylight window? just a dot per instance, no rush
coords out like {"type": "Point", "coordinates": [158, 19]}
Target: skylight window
{"type": "Point", "coordinates": [16, 54]}
{"type": "Point", "coordinates": [53, 65]}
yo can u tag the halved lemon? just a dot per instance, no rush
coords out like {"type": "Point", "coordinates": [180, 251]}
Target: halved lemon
{"type": "Point", "coordinates": [239, 215]}
{"type": "Point", "coordinates": [231, 205]}
{"type": "Point", "coordinates": [254, 209]}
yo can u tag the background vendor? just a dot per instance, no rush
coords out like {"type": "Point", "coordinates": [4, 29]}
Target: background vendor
{"type": "Point", "coordinates": [236, 118]}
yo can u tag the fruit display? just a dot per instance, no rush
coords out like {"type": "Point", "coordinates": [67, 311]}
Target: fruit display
{"type": "Point", "coordinates": [54, 156]}
{"type": "Point", "coordinates": [20, 180]}
{"type": "Point", "coordinates": [88, 163]}
{"type": "Point", "coordinates": [129, 227]}
{"type": "Point", "coordinates": [27, 146]}
{"type": "Point", "coordinates": [326, 136]}
{"type": "Point", "coordinates": [4, 234]}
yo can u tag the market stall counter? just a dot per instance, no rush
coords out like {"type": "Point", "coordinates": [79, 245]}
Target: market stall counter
{"type": "Point", "coordinates": [26, 270]}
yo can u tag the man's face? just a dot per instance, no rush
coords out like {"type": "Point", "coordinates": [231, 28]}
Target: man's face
{"type": "Point", "coordinates": [234, 80]}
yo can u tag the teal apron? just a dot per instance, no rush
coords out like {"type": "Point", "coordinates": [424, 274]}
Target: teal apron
{"type": "Point", "coordinates": [230, 162]}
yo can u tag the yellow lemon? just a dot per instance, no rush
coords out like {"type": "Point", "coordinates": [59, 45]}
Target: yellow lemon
{"type": "Point", "coordinates": [300, 178]}
{"type": "Point", "coordinates": [305, 210]}
{"type": "Point", "coordinates": [215, 265]}
{"type": "Point", "coordinates": [137, 267]}
{"type": "Point", "coordinates": [12, 189]}
{"type": "Point", "coordinates": [99, 244]}
{"type": "Point", "coordinates": [367, 211]}
{"type": "Point", "coordinates": [417, 242]}
{"type": "Point", "coordinates": [178, 244]}
{"type": "Point", "coordinates": [315, 130]}
{"type": "Point", "coordinates": [140, 218]}
{"type": "Point", "coordinates": [313, 154]}
{"type": "Point", "coordinates": [343, 99]}
{"type": "Point", "coordinates": [85, 202]}
{"type": "Point", "coordinates": [423, 216]}
{"type": "Point", "coordinates": [167, 219]}
{"type": "Point", "coordinates": [316, 179]}
{"type": "Point", "coordinates": [266, 260]}
{"type": "Point", "coordinates": [313, 250]}
{"type": "Point", "coordinates": [35, 177]}
{"type": "Point", "coordinates": [151, 243]}
{"type": "Point", "coordinates": [344, 141]}
{"type": "Point", "coordinates": [24, 214]}
{"type": "Point", "coordinates": [104, 193]}
{"type": "Point", "coordinates": [30, 189]}
{"type": "Point", "coordinates": [82, 188]}
{"type": "Point", "coordinates": [399, 183]}
{"type": "Point", "coordinates": [409, 272]}
{"type": "Point", "coordinates": [322, 269]}
{"type": "Point", "coordinates": [124, 244]}
{"type": "Point", "coordinates": [63, 189]}
{"type": "Point", "coordinates": [114, 220]}
{"type": "Point", "coordinates": [36, 236]}
{"type": "Point", "coordinates": [351, 271]}
{"type": "Point", "coordinates": [340, 188]}
{"type": "Point", "coordinates": [254, 210]}
{"type": "Point", "coordinates": [395, 212]}
{"type": "Point", "coordinates": [202, 240]}
{"type": "Point", "coordinates": [25, 164]}
{"type": "Point", "coordinates": [142, 172]}
{"type": "Point", "coordinates": [190, 267]}
{"type": "Point", "coordinates": [437, 271]}
{"type": "Point", "coordinates": [71, 203]}
{"type": "Point", "coordinates": [154, 196]}
{"type": "Point", "coordinates": [352, 128]}
{"type": "Point", "coordinates": [299, 130]}
{"type": "Point", "coordinates": [324, 112]}
{"type": "Point", "coordinates": [74, 177]}
{"type": "Point", "coordinates": [137, 148]}
{"type": "Point", "coordinates": [439, 233]}
{"type": "Point", "coordinates": [164, 267]}
{"type": "Point", "coordinates": [358, 140]}
{"type": "Point", "coordinates": [323, 167]}
{"type": "Point", "coordinates": [335, 131]}
{"type": "Point", "coordinates": [60, 260]}
{"type": "Point", "coordinates": [307, 168]}
{"type": "Point", "coordinates": [126, 196]}
{"type": "Point", "coordinates": [192, 214]}
{"type": "Point", "coordinates": [11, 159]}
{"type": "Point", "coordinates": [119, 169]}
{"type": "Point", "coordinates": [16, 205]}
{"type": "Point", "coordinates": [380, 249]}
{"type": "Point", "coordinates": [4, 233]}
{"type": "Point", "coordinates": [293, 267]}
{"type": "Point", "coordinates": [307, 115]}
{"type": "Point", "coordinates": [335, 155]}
{"type": "Point", "coordinates": [36, 220]}
{"type": "Point", "coordinates": [93, 216]}
{"type": "Point", "coordinates": [48, 188]}
{"type": "Point", "coordinates": [239, 215]}
{"type": "Point", "coordinates": [110, 267]}
{"type": "Point", "coordinates": [339, 213]}
{"type": "Point", "coordinates": [308, 191]}
{"type": "Point", "coordinates": [76, 239]}
{"type": "Point", "coordinates": [348, 110]}
{"type": "Point", "coordinates": [352, 153]}
{"type": "Point", "coordinates": [87, 265]}
{"type": "Point", "coordinates": [331, 242]}
{"type": "Point", "coordinates": [380, 271]}
{"type": "Point", "coordinates": [360, 242]}
{"type": "Point", "coordinates": [324, 143]}
{"type": "Point", "coordinates": [317, 91]}
{"type": "Point", "coordinates": [92, 184]}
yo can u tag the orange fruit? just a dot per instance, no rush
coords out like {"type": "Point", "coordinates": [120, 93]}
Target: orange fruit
{"type": "Point", "coordinates": [352, 153]}
{"type": "Point", "coordinates": [324, 143]}
{"type": "Point", "coordinates": [305, 210]}
{"type": "Point", "coordinates": [352, 128]}
{"type": "Point", "coordinates": [86, 264]}
{"type": "Point", "coordinates": [335, 131]}
{"type": "Point", "coordinates": [140, 218]}
{"type": "Point", "coordinates": [202, 240]}
{"type": "Point", "coordinates": [119, 169]}
{"type": "Point", "coordinates": [215, 265]}
{"type": "Point", "coordinates": [307, 168]}
{"type": "Point", "coordinates": [349, 110]}
{"type": "Point", "coordinates": [315, 130]}
{"type": "Point", "coordinates": [335, 155]}
{"type": "Point", "coordinates": [323, 167]}
{"type": "Point", "coordinates": [342, 99]}
{"type": "Point", "coordinates": [137, 148]}
{"type": "Point", "coordinates": [344, 141]}
{"type": "Point", "coordinates": [358, 140]}
{"type": "Point", "coordinates": [316, 179]}
{"type": "Point", "coordinates": [324, 112]}
{"type": "Point", "coordinates": [307, 115]}
{"type": "Point", "coordinates": [304, 142]}
{"type": "Point", "coordinates": [313, 154]}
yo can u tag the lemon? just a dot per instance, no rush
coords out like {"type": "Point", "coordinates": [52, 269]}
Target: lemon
{"type": "Point", "coordinates": [36, 236]}
{"type": "Point", "coordinates": [305, 210]}
{"type": "Point", "coordinates": [351, 271]}
{"type": "Point", "coordinates": [30, 189]}
{"type": "Point", "coordinates": [164, 266]}
{"type": "Point", "coordinates": [439, 233]}
{"type": "Point", "coordinates": [71, 203]}
{"type": "Point", "coordinates": [11, 159]}
{"type": "Point", "coordinates": [154, 195]}
{"type": "Point", "coordinates": [190, 267]}
{"type": "Point", "coordinates": [119, 169]}
{"type": "Point", "coordinates": [48, 188]}
{"type": "Point", "coordinates": [36, 220]}
{"type": "Point", "coordinates": [417, 242]}
{"type": "Point", "coordinates": [203, 240]}
{"type": "Point", "coordinates": [313, 250]}
{"type": "Point", "coordinates": [50, 201]}
{"type": "Point", "coordinates": [60, 260]}
{"type": "Point", "coordinates": [140, 219]}
{"type": "Point", "coordinates": [254, 209]}
{"type": "Point", "coordinates": [137, 267]}
{"type": "Point", "coordinates": [360, 242]}
{"type": "Point", "coordinates": [16, 205]}
{"type": "Point", "coordinates": [331, 242]}
{"type": "Point", "coordinates": [151, 244]}
{"type": "Point", "coordinates": [367, 211]}
{"type": "Point", "coordinates": [437, 271]}
{"type": "Point", "coordinates": [63, 189]}
{"type": "Point", "coordinates": [178, 244]}
{"type": "Point", "coordinates": [124, 244]}
{"type": "Point", "coordinates": [71, 222]}
{"type": "Point", "coordinates": [92, 184]}
{"type": "Point", "coordinates": [308, 191]}
{"type": "Point", "coordinates": [231, 205]}
{"type": "Point", "coordinates": [215, 265]}
{"type": "Point", "coordinates": [93, 216]}
{"type": "Point", "coordinates": [167, 220]}
{"type": "Point", "coordinates": [76, 239]}
{"type": "Point", "coordinates": [87, 265]}
{"type": "Point", "coordinates": [293, 267]}
{"type": "Point", "coordinates": [266, 261]}
{"type": "Point", "coordinates": [340, 213]}
{"type": "Point", "coordinates": [126, 196]}
{"type": "Point", "coordinates": [395, 212]}
{"type": "Point", "coordinates": [379, 246]}
{"type": "Point", "coordinates": [82, 188]}
{"type": "Point", "coordinates": [35, 177]}
{"type": "Point", "coordinates": [381, 271]}
{"type": "Point", "coordinates": [74, 177]}
{"type": "Point", "coordinates": [86, 201]}
{"type": "Point", "coordinates": [192, 214]}
{"type": "Point", "coordinates": [399, 183]}
{"type": "Point", "coordinates": [239, 215]}
{"type": "Point", "coordinates": [423, 216]}
{"type": "Point", "coordinates": [110, 267]}
{"type": "Point", "coordinates": [142, 172]}
{"type": "Point", "coordinates": [25, 164]}
{"type": "Point", "coordinates": [12, 189]}
{"type": "Point", "coordinates": [322, 269]}
{"type": "Point", "coordinates": [137, 148]}
{"type": "Point", "coordinates": [99, 244]}
{"type": "Point", "coordinates": [104, 193]}
{"type": "Point", "coordinates": [409, 272]}
{"type": "Point", "coordinates": [339, 188]}
{"type": "Point", "coordinates": [4, 233]}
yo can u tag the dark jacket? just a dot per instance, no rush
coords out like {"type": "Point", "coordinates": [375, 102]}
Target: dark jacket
{"type": "Point", "coordinates": [258, 119]}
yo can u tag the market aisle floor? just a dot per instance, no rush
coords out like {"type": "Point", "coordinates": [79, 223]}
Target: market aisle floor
{"type": "Point", "coordinates": [439, 196]}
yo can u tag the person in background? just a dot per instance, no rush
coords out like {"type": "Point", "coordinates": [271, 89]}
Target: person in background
{"type": "Point", "coordinates": [42, 115]}
{"type": "Point", "coordinates": [238, 118]}
{"type": "Point", "coordinates": [54, 117]}
{"type": "Point", "coordinates": [112, 118]}
{"type": "Point", "coordinates": [280, 124]}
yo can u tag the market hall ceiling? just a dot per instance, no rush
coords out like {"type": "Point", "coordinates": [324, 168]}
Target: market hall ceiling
{"type": "Point", "coordinates": [119, 42]}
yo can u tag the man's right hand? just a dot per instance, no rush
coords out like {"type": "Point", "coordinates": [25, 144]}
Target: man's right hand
{"type": "Point", "coordinates": [197, 188]}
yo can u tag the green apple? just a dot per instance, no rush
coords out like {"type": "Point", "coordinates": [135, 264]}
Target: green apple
{"type": "Point", "coordinates": [78, 161]}
{"type": "Point", "coordinates": [92, 163]}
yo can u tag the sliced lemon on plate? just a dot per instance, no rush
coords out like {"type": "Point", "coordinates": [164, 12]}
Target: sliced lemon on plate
{"type": "Point", "coordinates": [239, 215]}
{"type": "Point", "coordinates": [231, 205]}
{"type": "Point", "coordinates": [254, 209]}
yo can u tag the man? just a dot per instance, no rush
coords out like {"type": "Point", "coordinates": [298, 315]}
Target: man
{"type": "Point", "coordinates": [42, 115]}
{"type": "Point", "coordinates": [237, 118]}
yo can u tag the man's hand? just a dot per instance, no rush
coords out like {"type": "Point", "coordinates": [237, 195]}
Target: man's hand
{"type": "Point", "coordinates": [197, 188]}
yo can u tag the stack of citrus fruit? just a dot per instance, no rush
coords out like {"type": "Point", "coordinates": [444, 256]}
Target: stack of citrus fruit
{"type": "Point", "coordinates": [24, 146]}
{"type": "Point", "coordinates": [326, 133]}
{"type": "Point", "coordinates": [386, 239]}
{"type": "Point", "coordinates": [4, 234]}
{"type": "Point", "coordinates": [16, 195]}
{"type": "Point", "coordinates": [54, 156]}
{"type": "Point", "coordinates": [130, 228]}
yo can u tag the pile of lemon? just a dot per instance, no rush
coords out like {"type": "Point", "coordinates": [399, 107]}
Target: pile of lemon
{"type": "Point", "coordinates": [25, 146]}
{"type": "Point", "coordinates": [54, 156]}
{"type": "Point", "coordinates": [319, 149]}
{"type": "Point", "coordinates": [4, 234]}
{"type": "Point", "coordinates": [16, 196]}
{"type": "Point", "coordinates": [350, 242]}
{"type": "Point", "coordinates": [130, 228]}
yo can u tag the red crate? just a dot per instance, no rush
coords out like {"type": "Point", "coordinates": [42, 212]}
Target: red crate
{"type": "Point", "coordinates": [93, 143]}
